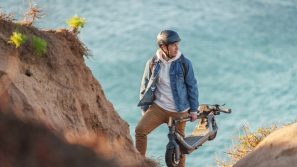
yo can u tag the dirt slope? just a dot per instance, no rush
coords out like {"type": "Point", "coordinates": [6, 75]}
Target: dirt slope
{"type": "Point", "coordinates": [59, 91]}
{"type": "Point", "coordinates": [29, 145]}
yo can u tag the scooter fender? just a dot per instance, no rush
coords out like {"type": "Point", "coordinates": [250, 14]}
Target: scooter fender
{"type": "Point", "coordinates": [174, 145]}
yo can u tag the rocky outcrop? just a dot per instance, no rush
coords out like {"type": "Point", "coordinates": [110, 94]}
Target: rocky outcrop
{"type": "Point", "coordinates": [27, 145]}
{"type": "Point", "coordinates": [279, 149]}
{"type": "Point", "coordinates": [59, 91]}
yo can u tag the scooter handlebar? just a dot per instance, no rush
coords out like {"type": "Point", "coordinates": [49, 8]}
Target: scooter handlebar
{"type": "Point", "coordinates": [226, 110]}
{"type": "Point", "coordinates": [215, 109]}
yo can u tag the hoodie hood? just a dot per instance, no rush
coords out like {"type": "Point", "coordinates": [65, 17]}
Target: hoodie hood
{"type": "Point", "coordinates": [159, 55]}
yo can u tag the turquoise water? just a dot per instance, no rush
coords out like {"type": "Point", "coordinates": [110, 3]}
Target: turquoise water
{"type": "Point", "coordinates": [243, 53]}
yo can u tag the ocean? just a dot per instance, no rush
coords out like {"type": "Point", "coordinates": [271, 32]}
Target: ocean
{"type": "Point", "coordinates": [243, 53]}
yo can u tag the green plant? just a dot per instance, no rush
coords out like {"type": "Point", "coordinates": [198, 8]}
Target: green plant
{"type": "Point", "coordinates": [17, 39]}
{"type": "Point", "coordinates": [39, 45]}
{"type": "Point", "coordinates": [75, 23]}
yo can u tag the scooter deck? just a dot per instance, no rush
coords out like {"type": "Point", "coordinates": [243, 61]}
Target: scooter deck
{"type": "Point", "coordinates": [191, 140]}
{"type": "Point", "coordinates": [199, 132]}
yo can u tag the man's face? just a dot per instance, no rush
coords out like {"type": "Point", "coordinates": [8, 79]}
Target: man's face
{"type": "Point", "coordinates": [172, 49]}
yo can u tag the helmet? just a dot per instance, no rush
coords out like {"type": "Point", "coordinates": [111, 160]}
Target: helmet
{"type": "Point", "coordinates": [167, 37]}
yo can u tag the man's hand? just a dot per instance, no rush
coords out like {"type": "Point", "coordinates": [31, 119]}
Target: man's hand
{"type": "Point", "coordinates": [193, 116]}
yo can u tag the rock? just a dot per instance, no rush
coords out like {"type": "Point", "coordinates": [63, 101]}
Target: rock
{"type": "Point", "coordinates": [279, 149]}
{"type": "Point", "coordinates": [28, 145]}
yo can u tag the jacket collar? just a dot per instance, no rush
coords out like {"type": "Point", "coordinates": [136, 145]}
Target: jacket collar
{"type": "Point", "coordinates": [159, 55]}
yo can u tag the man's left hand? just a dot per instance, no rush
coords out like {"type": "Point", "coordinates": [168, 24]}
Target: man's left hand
{"type": "Point", "coordinates": [193, 116]}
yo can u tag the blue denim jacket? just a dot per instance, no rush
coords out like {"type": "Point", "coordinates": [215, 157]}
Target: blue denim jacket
{"type": "Point", "coordinates": [184, 88]}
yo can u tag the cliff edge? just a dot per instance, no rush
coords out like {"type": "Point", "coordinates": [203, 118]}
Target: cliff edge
{"type": "Point", "coordinates": [58, 91]}
{"type": "Point", "coordinates": [279, 149]}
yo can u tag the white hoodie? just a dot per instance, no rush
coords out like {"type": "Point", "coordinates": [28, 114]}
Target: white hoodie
{"type": "Point", "coordinates": [164, 97]}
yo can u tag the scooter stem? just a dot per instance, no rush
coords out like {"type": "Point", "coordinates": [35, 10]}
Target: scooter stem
{"type": "Point", "coordinates": [170, 122]}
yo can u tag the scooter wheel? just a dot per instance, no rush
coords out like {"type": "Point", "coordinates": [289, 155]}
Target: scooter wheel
{"type": "Point", "coordinates": [170, 158]}
{"type": "Point", "coordinates": [212, 136]}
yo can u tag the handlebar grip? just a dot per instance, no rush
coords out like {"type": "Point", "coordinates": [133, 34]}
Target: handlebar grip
{"type": "Point", "coordinates": [226, 110]}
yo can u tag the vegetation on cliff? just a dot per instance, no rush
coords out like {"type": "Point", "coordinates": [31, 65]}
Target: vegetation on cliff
{"type": "Point", "coordinates": [245, 144]}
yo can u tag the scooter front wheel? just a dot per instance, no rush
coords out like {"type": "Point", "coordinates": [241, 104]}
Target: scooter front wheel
{"type": "Point", "coordinates": [170, 158]}
{"type": "Point", "coordinates": [212, 136]}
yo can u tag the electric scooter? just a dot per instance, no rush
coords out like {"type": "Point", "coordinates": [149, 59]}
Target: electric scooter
{"type": "Point", "coordinates": [205, 131]}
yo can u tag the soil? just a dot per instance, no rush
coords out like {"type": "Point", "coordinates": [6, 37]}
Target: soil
{"type": "Point", "coordinates": [58, 91]}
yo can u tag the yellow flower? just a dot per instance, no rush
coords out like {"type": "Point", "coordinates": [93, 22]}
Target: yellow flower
{"type": "Point", "coordinates": [76, 22]}
{"type": "Point", "coordinates": [17, 39]}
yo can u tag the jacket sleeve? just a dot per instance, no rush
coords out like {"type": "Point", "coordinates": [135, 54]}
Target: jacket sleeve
{"type": "Point", "coordinates": [192, 87]}
{"type": "Point", "coordinates": [144, 82]}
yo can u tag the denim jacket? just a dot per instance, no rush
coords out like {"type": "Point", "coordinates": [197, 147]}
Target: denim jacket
{"type": "Point", "coordinates": [184, 88]}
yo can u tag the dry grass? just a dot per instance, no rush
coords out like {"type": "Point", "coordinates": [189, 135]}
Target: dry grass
{"type": "Point", "coordinates": [7, 17]}
{"type": "Point", "coordinates": [245, 144]}
{"type": "Point", "coordinates": [33, 14]}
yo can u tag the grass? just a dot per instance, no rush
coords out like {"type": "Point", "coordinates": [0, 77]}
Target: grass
{"type": "Point", "coordinates": [245, 144]}
{"type": "Point", "coordinates": [8, 17]}
{"type": "Point", "coordinates": [17, 39]}
{"type": "Point", "coordinates": [33, 13]}
{"type": "Point", "coordinates": [39, 45]}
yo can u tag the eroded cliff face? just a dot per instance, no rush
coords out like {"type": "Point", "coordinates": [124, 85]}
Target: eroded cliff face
{"type": "Point", "coordinates": [27, 145]}
{"type": "Point", "coordinates": [59, 91]}
{"type": "Point", "coordinates": [279, 149]}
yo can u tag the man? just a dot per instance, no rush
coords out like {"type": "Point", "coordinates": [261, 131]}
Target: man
{"type": "Point", "coordinates": [168, 88]}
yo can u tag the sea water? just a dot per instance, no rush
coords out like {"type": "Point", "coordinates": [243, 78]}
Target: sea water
{"type": "Point", "coordinates": [243, 53]}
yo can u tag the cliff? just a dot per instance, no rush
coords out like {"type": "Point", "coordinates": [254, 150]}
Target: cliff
{"type": "Point", "coordinates": [27, 145]}
{"type": "Point", "coordinates": [58, 91]}
{"type": "Point", "coordinates": [279, 149]}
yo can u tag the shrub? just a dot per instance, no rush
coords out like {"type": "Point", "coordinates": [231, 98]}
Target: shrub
{"type": "Point", "coordinates": [39, 45]}
{"type": "Point", "coordinates": [75, 23]}
{"type": "Point", "coordinates": [245, 144]}
{"type": "Point", "coordinates": [17, 39]}
{"type": "Point", "coordinates": [33, 13]}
